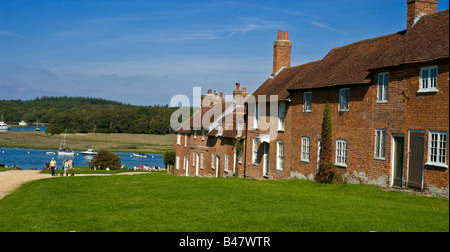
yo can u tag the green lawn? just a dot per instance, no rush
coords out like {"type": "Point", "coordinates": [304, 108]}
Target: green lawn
{"type": "Point", "coordinates": [161, 202]}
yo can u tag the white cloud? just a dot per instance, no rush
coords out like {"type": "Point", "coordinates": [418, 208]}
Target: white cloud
{"type": "Point", "coordinates": [326, 27]}
{"type": "Point", "coordinates": [5, 33]}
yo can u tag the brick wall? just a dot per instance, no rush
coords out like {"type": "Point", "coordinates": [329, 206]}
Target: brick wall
{"type": "Point", "coordinates": [405, 110]}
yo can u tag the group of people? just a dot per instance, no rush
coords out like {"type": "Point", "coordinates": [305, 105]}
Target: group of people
{"type": "Point", "coordinates": [145, 168]}
{"type": "Point", "coordinates": [66, 165]}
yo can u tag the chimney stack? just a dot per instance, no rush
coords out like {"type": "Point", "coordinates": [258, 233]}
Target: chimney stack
{"type": "Point", "coordinates": [281, 52]}
{"type": "Point", "coordinates": [419, 8]}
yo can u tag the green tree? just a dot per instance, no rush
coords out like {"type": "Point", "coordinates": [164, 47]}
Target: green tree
{"type": "Point", "coordinates": [169, 159]}
{"type": "Point", "coordinates": [105, 159]}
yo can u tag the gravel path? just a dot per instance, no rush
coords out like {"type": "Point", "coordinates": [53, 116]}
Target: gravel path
{"type": "Point", "coordinates": [11, 180]}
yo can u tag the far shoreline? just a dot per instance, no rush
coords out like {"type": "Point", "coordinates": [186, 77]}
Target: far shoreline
{"type": "Point", "coordinates": [114, 142]}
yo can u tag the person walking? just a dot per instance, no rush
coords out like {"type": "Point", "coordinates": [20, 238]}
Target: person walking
{"type": "Point", "coordinates": [53, 166]}
{"type": "Point", "coordinates": [68, 166]}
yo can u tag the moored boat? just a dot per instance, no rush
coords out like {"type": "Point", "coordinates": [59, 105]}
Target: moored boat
{"type": "Point", "coordinates": [89, 152]}
{"type": "Point", "coordinates": [62, 151]}
{"type": "Point", "coordinates": [3, 125]}
{"type": "Point", "coordinates": [140, 155]}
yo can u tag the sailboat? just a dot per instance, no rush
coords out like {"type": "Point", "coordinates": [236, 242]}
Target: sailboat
{"type": "Point", "coordinates": [37, 126]}
{"type": "Point", "coordinates": [63, 151]}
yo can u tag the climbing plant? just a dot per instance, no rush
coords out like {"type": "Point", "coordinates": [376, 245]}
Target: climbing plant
{"type": "Point", "coordinates": [326, 171]}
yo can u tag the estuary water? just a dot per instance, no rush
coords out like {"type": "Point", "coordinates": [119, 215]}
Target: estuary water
{"type": "Point", "coordinates": [29, 128]}
{"type": "Point", "coordinates": [28, 159]}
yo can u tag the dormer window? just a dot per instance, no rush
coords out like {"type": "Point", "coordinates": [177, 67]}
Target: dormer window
{"type": "Point", "coordinates": [344, 99]}
{"type": "Point", "coordinates": [383, 87]}
{"type": "Point", "coordinates": [220, 128]}
{"type": "Point", "coordinates": [428, 79]}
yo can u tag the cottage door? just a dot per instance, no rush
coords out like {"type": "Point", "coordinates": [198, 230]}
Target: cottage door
{"type": "Point", "coordinates": [416, 159]}
{"type": "Point", "coordinates": [266, 160]}
{"type": "Point", "coordinates": [397, 161]}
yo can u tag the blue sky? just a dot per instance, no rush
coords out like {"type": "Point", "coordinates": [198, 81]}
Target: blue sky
{"type": "Point", "coordinates": [144, 52]}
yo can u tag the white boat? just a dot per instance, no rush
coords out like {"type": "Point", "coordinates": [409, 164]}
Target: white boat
{"type": "Point", "coordinates": [140, 155]}
{"type": "Point", "coordinates": [23, 123]}
{"type": "Point", "coordinates": [4, 126]}
{"type": "Point", "coordinates": [62, 151]}
{"type": "Point", "coordinates": [37, 126]}
{"type": "Point", "coordinates": [50, 153]}
{"type": "Point", "coordinates": [89, 152]}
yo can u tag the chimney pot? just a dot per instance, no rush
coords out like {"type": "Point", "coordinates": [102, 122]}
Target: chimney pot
{"type": "Point", "coordinates": [237, 86]}
{"type": "Point", "coordinates": [221, 95]}
{"type": "Point", "coordinates": [280, 32]}
{"type": "Point", "coordinates": [281, 53]}
{"type": "Point", "coordinates": [244, 89]}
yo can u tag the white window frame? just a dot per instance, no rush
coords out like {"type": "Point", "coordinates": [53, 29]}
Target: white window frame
{"type": "Point", "coordinates": [240, 156]}
{"type": "Point", "coordinates": [306, 145]}
{"type": "Point", "coordinates": [427, 82]}
{"type": "Point", "coordinates": [184, 163]}
{"type": "Point", "coordinates": [213, 161]}
{"type": "Point", "coordinates": [281, 115]}
{"type": "Point", "coordinates": [307, 101]}
{"type": "Point", "coordinates": [227, 163]}
{"type": "Point", "coordinates": [185, 140]}
{"type": "Point", "coordinates": [179, 139]}
{"type": "Point", "coordinates": [341, 153]}
{"type": "Point", "coordinates": [203, 134]}
{"type": "Point", "coordinates": [195, 135]}
{"type": "Point", "coordinates": [380, 144]}
{"type": "Point", "coordinates": [240, 127]}
{"type": "Point", "coordinates": [193, 159]}
{"type": "Point", "coordinates": [177, 163]}
{"type": "Point", "coordinates": [202, 159]}
{"type": "Point", "coordinates": [437, 152]}
{"type": "Point", "coordinates": [256, 121]}
{"type": "Point", "coordinates": [280, 155]}
{"type": "Point", "coordinates": [255, 151]}
{"type": "Point", "coordinates": [383, 87]}
{"type": "Point", "coordinates": [220, 128]}
{"type": "Point", "coordinates": [341, 94]}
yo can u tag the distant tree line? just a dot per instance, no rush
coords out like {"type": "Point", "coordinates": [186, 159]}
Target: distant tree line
{"type": "Point", "coordinates": [88, 115]}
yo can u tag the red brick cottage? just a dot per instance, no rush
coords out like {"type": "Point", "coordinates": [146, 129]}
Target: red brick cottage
{"type": "Point", "coordinates": [390, 112]}
{"type": "Point", "coordinates": [214, 149]}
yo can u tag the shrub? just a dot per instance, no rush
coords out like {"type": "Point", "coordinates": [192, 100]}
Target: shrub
{"type": "Point", "coordinates": [105, 159]}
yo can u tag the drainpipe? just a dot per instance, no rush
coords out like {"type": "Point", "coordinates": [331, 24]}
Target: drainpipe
{"type": "Point", "coordinates": [245, 145]}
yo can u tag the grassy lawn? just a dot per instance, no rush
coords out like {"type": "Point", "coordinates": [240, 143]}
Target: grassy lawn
{"type": "Point", "coordinates": [110, 142]}
{"type": "Point", "coordinates": [161, 202]}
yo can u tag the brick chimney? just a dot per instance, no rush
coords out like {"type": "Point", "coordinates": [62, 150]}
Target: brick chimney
{"type": "Point", "coordinates": [418, 8]}
{"type": "Point", "coordinates": [281, 52]}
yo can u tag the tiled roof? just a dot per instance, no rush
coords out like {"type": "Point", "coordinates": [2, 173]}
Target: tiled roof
{"type": "Point", "coordinates": [427, 40]}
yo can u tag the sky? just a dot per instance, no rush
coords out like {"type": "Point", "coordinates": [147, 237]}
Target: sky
{"type": "Point", "coordinates": [144, 52]}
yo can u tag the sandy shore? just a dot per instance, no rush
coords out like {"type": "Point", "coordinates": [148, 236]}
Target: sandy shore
{"type": "Point", "coordinates": [11, 180]}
